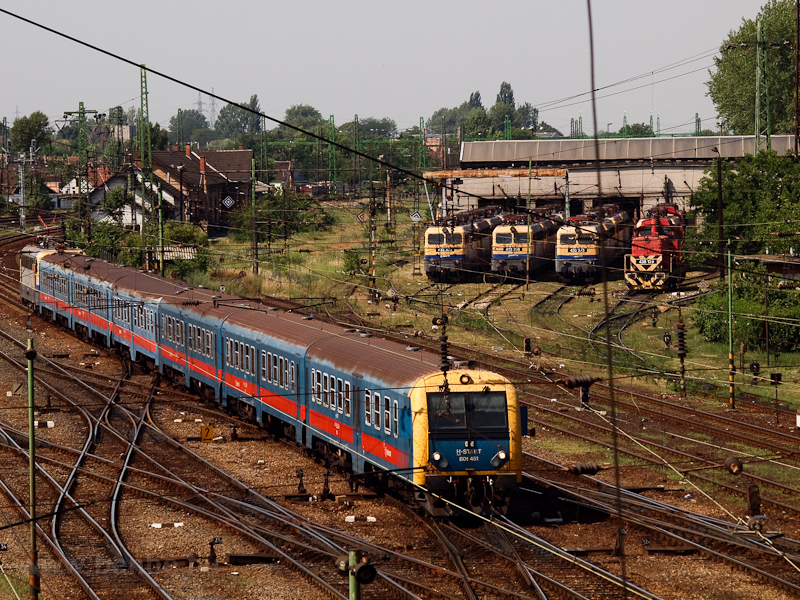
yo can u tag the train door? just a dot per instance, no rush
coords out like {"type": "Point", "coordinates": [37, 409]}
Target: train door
{"type": "Point", "coordinates": [358, 404]}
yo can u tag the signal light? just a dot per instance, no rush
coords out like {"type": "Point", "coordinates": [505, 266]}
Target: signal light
{"type": "Point", "coordinates": [681, 339]}
{"type": "Point", "coordinates": [574, 381]}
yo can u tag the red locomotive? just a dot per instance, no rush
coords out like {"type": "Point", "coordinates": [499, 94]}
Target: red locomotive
{"type": "Point", "coordinates": [656, 258]}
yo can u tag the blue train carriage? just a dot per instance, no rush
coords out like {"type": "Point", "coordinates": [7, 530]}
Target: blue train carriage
{"type": "Point", "coordinates": [518, 247]}
{"type": "Point", "coordinates": [579, 249]}
{"type": "Point", "coordinates": [467, 440]}
{"type": "Point", "coordinates": [456, 252]}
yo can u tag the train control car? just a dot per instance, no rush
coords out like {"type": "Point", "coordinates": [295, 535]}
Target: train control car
{"type": "Point", "coordinates": [519, 248]}
{"type": "Point", "coordinates": [453, 435]}
{"type": "Point", "coordinates": [458, 252]}
{"type": "Point", "coordinates": [579, 251]}
{"type": "Point", "coordinates": [656, 258]}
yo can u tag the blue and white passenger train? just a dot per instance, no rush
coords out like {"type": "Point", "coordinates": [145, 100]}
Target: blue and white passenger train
{"type": "Point", "coordinates": [370, 404]}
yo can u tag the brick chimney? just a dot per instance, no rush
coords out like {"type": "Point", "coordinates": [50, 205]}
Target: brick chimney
{"type": "Point", "coordinates": [188, 151]}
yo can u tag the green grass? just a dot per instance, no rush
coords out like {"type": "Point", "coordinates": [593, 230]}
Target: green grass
{"type": "Point", "coordinates": [319, 274]}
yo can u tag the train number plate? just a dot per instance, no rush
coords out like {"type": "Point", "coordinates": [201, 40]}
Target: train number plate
{"type": "Point", "coordinates": [577, 250]}
{"type": "Point", "coordinates": [512, 249]}
{"type": "Point", "coordinates": [646, 261]}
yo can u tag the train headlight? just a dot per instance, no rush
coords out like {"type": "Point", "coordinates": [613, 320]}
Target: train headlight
{"type": "Point", "coordinates": [499, 458]}
{"type": "Point", "coordinates": [465, 379]}
{"type": "Point", "coordinates": [439, 460]}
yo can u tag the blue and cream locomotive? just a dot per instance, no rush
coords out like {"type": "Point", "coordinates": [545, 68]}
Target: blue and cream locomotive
{"type": "Point", "coordinates": [586, 241]}
{"type": "Point", "coordinates": [458, 252]}
{"type": "Point", "coordinates": [519, 247]}
{"type": "Point", "coordinates": [370, 404]}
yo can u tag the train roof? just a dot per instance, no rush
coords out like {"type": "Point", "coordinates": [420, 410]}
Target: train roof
{"type": "Point", "coordinates": [371, 357]}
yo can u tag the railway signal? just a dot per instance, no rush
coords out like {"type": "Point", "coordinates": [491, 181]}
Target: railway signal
{"type": "Point", "coordinates": [755, 369]}
{"type": "Point", "coordinates": [359, 571]}
{"type": "Point", "coordinates": [667, 339]}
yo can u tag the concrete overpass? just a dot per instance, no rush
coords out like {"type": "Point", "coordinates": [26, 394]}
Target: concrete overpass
{"type": "Point", "coordinates": [634, 172]}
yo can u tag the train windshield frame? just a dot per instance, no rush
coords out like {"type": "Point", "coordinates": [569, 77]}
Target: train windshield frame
{"type": "Point", "coordinates": [450, 239]}
{"type": "Point", "coordinates": [567, 239]}
{"type": "Point", "coordinates": [483, 412]}
{"type": "Point", "coordinates": [504, 237]}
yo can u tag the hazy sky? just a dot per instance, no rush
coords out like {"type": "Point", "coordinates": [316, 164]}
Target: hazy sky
{"type": "Point", "coordinates": [402, 60]}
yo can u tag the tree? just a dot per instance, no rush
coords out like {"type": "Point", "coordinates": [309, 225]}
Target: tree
{"type": "Point", "coordinates": [190, 121]}
{"type": "Point", "coordinates": [732, 86]}
{"type": "Point", "coordinates": [506, 95]}
{"type": "Point", "coordinates": [235, 121]}
{"type": "Point", "coordinates": [159, 139]}
{"type": "Point", "coordinates": [114, 202]}
{"type": "Point", "coordinates": [33, 127]}
{"type": "Point", "coordinates": [637, 130]}
{"type": "Point", "coordinates": [475, 100]}
{"type": "Point", "coordinates": [761, 197]}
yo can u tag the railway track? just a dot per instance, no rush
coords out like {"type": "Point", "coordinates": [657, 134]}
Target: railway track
{"type": "Point", "coordinates": [766, 556]}
{"type": "Point", "coordinates": [692, 453]}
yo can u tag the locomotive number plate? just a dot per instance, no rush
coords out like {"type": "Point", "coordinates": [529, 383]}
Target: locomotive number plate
{"type": "Point", "coordinates": [646, 261]}
{"type": "Point", "coordinates": [512, 249]}
{"type": "Point", "coordinates": [577, 250]}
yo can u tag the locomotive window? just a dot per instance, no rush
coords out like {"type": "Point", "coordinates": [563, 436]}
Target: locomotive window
{"type": "Point", "coordinates": [325, 390]}
{"type": "Point", "coordinates": [521, 238]}
{"type": "Point", "coordinates": [435, 239]}
{"type": "Point", "coordinates": [586, 238]}
{"type": "Point", "coordinates": [347, 398]}
{"type": "Point", "coordinates": [481, 411]}
{"type": "Point", "coordinates": [367, 407]}
{"type": "Point", "coordinates": [340, 395]}
{"type": "Point", "coordinates": [395, 418]}
{"type": "Point", "coordinates": [387, 423]}
{"type": "Point", "coordinates": [503, 238]}
{"type": "Point", "coordinates": [567, 238]}
{"type": "Point", "coordinates": [454, 239]}
{"type": "Point", "coordinates": [376, 410]}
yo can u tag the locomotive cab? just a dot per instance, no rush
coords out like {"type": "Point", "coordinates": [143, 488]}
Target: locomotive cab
{"type": "Point", "coordinates": [470, 453]}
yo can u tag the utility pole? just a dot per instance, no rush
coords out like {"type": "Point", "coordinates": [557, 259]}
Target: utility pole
{"type": "Point", "coordinates": [21, 173]}
{"type": "Point", "coordinates": [720, 240]}
{"type": "Point", "coordinates": [253, 217]}
{"type": "Point", "coordinates": [373, 292]}
{"type": "Point", "coordinates": [731, 365]}
{"type": "Point", "coordinates": [763, 124]}
{"type": "Point", "coordinates": [332, 153]}
{"type": "Point", "coordinates": [146, 157]}
{"type": "Point", "coordinates": [796, 78]}
{"type": "Point", "coordinates": [115, 120]}
{"type": "Point", "coordinates": [85, 212]}
{"type": "Point", "coordinates": [528, 213]}
{"type": "Point", "coordinates": [30, 354]}
{"type": "Point", "coordinates": [160, 231]}
{"type": "Point", "coordinates": [358, 149]}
